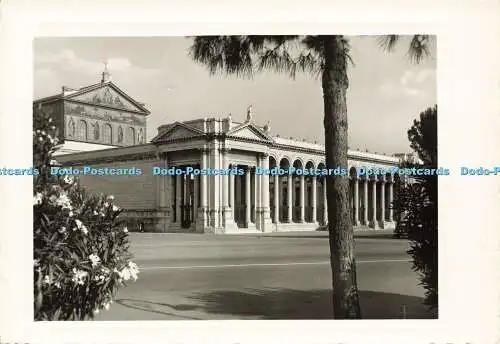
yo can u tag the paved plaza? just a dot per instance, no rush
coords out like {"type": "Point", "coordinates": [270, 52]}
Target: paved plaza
{"type": "Point", "coordinates": [281, 276]}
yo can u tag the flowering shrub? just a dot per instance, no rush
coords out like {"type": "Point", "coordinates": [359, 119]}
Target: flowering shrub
{"type": "Point", "coordinates": [81, 247]}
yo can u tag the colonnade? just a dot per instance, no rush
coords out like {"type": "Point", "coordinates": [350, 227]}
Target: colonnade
{"type": "Point", "coordinates": [267, 202]}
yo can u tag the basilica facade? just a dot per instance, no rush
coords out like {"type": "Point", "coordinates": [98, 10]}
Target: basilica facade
{"type": "Point", "coordinates": [229, 203]}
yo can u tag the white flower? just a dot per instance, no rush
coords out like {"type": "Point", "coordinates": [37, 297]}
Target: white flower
{"type": "Point", "coordinates": [47, 280]}
{"type": "Point", "coordinates": [81, 226]}
{"type": "Point", "coordinates": [64, 201]}
{"type": "Point", "coordinates": [36, 262]}
{"type": "Point", "coordinates": [111, 197]}
{"type": "Point", "coordinates": [96, 311]}
{"type": "Point", "coordinates": [68, 179]}
{"type": "Point", "coordinates": [105, 270]}
{"type": "Point", "coordinates": [53, 199]}
{"type": "Point", "coordinates": [99, 278]}
{"type": "Point", "coordinates": [115, 208]}
{"type": "Point", "coordinates": [37, 199]}
{"type": "Point", "coordinates": [129, 272]}
{"type": "Point", "coordinates": [106, 204]}
{"type": "Point", "coordinates": [57, 285]}
{"type": "Point", "coordinates": [106, 305]}
{"type": "Point", "coordinates": [125, 230]}
{"type": "Point", "coordinates": [70, 214]}
{"type": "Point", "coordinates": [96, 213]}
{"type": "Point", "coordinates": [62, 230]}
{"type": "Point", "coordinates": [40, 139]}
{"type": "Point", "coordinates": [94, 259]}
{"type": "Point", "coordinates": [79, 276]}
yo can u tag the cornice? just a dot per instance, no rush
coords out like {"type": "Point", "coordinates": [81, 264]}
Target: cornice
{"type": "Point", "coordinates": [110, 159]}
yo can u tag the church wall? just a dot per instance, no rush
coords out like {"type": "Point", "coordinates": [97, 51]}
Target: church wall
{"type": "Point", "coordinates": [130, 192]}
{"type": "Point", "coordinates": [92, 115]}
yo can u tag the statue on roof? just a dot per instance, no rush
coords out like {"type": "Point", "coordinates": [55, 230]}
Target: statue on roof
{"type": "Point", "coordinates": [267, 127]}
{"type": "Point", "coordinates": [106, 75]}
{"type": "Point", "coordinates": [249, 114]}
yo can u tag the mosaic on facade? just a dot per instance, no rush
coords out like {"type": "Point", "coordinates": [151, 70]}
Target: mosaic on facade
{"type": "Point", "coordinates": [94, 112]}
{"type": "Point", "coordinates": [107, 96]}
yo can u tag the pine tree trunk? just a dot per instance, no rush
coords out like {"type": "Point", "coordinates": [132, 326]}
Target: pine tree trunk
{"type": "Point", "coordinates": [341, 235]}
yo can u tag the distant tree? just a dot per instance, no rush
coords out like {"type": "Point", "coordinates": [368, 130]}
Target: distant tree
{"type": "Point", "coordinates": [418, 205]}
{"type": "Point", "coordinates": [327, 57]}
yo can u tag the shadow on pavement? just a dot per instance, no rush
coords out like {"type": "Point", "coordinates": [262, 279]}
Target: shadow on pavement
{"type": "Point", "coordinates": [286, 304]}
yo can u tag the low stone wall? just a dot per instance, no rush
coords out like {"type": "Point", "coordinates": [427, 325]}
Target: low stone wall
{"type": "Point", "coordinates": [147, 217]}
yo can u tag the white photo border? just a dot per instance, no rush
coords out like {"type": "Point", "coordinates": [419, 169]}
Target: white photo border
{"type": "Point", "coordinates": [468, 60]}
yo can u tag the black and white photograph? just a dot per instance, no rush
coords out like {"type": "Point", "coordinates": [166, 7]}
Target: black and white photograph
{"type": "Point", "coordinates": [245, 172]}
{"type": "Point", "coordinates": [251, 177]}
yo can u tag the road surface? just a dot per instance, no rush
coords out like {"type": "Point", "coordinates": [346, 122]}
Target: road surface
{"type": "Point", "coordinates": [287, 276]}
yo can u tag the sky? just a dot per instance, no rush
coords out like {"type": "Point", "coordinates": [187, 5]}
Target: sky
{"type": "Point", "coordinates": [386, 91]}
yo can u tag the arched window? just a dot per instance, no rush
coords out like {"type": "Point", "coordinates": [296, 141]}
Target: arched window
{"type": "Point", "coordinates": [108, 133]}
{"type": "Point", "coordinates": [140, 136]}
{"type": "Point", "coordinates": [82, 130]}
{"type": "Point", "coordinates": [71, 127]}
{"type": "Point", "coordinates": [120, 134]}
{"type": "Point", "coordinates": [96, 131]}
{"type": "Point", "coordinates": [131, 136]}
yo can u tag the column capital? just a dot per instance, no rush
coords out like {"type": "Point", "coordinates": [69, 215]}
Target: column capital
{"type": "Point", "coordinates": [263, 155]}
{"type": "Point", "coordinates": [203, 149]}
{"type": "Point", "coordinates": [225, 150]}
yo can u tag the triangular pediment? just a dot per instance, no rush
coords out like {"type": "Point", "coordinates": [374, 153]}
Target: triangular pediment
{"type": "Point", "coordinates": [107, 94]}
{"type": "Point", "coordinates": [250, 132]}
{"type": "Point", "coordinates": [178, 131]}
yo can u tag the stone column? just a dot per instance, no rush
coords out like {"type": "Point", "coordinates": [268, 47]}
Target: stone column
{"type": "Point", "coordinates": [264, 180]}
{"type": "Point", "coordinates": [225, 183]}
{"type": "Point", "coordinates": [276, 199]}
{"type": "Point", "coordinates": [391, 199]}
{"type": "Point", "coordinates": [365, 202]}
{"type": "Point", "coordinates": [232, 195]}
{"type": "Point", "coordinates": [162, 201]}
{"type": "Point", "coordinates": [164, 211]}
{"type": "Point", "coordinates": [290, 199]}
{"type": "Point", "coordinates": [202, 222]}
{"type": "Point", "coordinates": [314, 202]}
{"type": "Point", "coordinates": [227, 214]}
{"type": "Point", "coordinates": [325, 203]}
{"type": "Point", "coordinates": [195, 197]}
{"type": "Point", "coordinates": [356, 201]}
{"type": "Point", "coordinates": [238, 197]}
{"type": "Point", "coordinates": [382, 203]}
{"type": "Point", "coordinates": [374, 204]}
{"type": "Point", "coordinates": [257, 196]}
{"type": "Point", "coordinates": [302, 198]}
{"type": "Point", "coordinates": [248, 200]}
{"type": "Point", "coordinates": [214, 180]}
{"type": "Point", "coordinates": [178, 199]}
